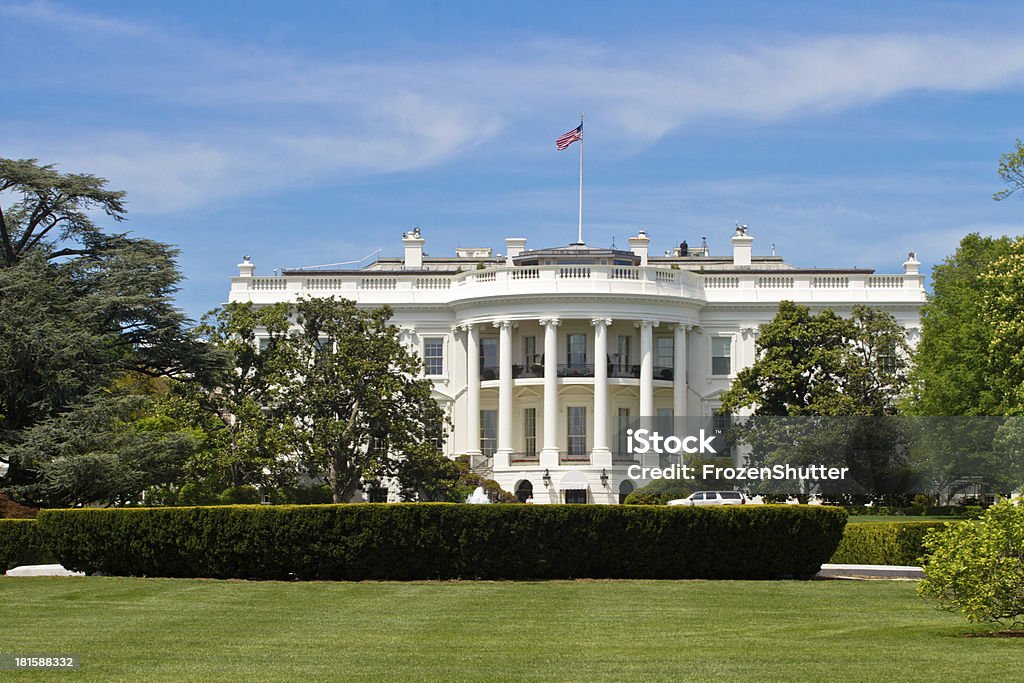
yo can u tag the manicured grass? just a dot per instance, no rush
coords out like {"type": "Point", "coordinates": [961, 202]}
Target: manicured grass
{"type": "Point", "coordinates": [179, 629]}
{"type": "Point", "coordinates": [860, 519]}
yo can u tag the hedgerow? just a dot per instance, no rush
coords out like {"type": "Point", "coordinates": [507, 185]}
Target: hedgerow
{"type": "Point", "coordinates": [891, 543]}
{"type": "Point", "coordinates": [21, 543]}
{"type": "Point", "coordinates": [446, 541]}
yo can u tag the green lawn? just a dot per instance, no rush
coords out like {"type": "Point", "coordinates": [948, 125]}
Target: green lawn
{"type": "Point", "coordinates": [860, 519]}
{"type": "Point", "coordinates": [200, 630]}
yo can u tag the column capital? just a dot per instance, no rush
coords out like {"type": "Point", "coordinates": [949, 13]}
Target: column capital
{"type": "Point", "coordinates": [684, 327]}
{"type": "Point", "coordinates": [601, 322]}
{"type": "Point", "coordinates": [751, 331]}
{"type": "Point", "coordinates": [464, 327]}
{"type": "Point", "coordinates": [503, 324]}
{"type": "Point", "coordinates": [553, 322]}
{"type": "Point", "coordinates": [646, 323]}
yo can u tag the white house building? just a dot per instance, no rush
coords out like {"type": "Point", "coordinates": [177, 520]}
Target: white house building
{"type": "Point", "coordinates": [539, 355]}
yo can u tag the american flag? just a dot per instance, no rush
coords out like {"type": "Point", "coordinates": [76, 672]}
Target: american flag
{"type": "Point", "coordinates": [570, 137]}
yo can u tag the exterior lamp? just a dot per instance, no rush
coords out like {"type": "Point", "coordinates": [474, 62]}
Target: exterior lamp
{"type": "Point", "coordinates": [604, 477]}
{"type": "Point", "coordinates": [547, 478]}
{"type": "Point", "coordinates": [4, 466]}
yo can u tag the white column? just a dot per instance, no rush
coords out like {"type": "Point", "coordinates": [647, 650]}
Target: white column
{"type": "Point", "coordinates": [647, 371]}
{"type": "Point", "coordinates": [679, 372]}
{"type": "Point", "coordinates": [601, 456]}
{"type": "Point", "coordinates": [472, 389]}
{"type": "Point", "coordinates": [549, 451]}
{"type": "Point", "coordinates": [504, 393]}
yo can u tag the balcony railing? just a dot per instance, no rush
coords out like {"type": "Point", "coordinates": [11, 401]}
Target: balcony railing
{"type": "Point", "coordinates": [571, 370]}
{"type": "Point", "coordinates": [573, 458]}
{"type": "Point", "coordinates": [575, 369]}
{"type": "Point", "coordinates": [624, 370]}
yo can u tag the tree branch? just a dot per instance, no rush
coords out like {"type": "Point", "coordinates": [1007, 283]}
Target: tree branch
{"type": "Point", "coordinates": [6, 237]}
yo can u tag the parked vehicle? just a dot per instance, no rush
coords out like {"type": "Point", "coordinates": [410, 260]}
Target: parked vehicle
{"type": "Point", "coordinates": [711, 498]}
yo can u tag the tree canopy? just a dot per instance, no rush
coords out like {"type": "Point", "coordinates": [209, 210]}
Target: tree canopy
{"type": "Point", "coordinates": [1002, 306]}
{"type": "Point", "coordinates": [823, 364]}
{"type": "Point", "coordinates": [79, 310]}
{"type": "Point", "coordinates": [1011, 171]}
{"type": "Point", "coordinates": [953, 371]}
{"type": "Point", "coordinates": [49, 213]}
{"type": "Point", "coordinates": [356, 398]}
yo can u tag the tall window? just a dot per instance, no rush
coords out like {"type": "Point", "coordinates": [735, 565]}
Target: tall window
{"type": "Point", "coordinates": [433, 355]}
{"type": "Point", "coordinates": [530, 430]}
{"type": "Point", "coordinates": [577, 349]}
{"type": "Point", "coordinates": [488, 431]}
{"type": "Point", "coordinates": [577, 436]}
{"type": "Point", "coordinates": [887, 358]}
{"type": "Point", "coordinates": [623, 353]}
{"type": "Point", "coordinates": [621, 440]}
{"type": "Point", "coordinates": [664, 422]}
{"type": "Point", "coordinates": [530, 351]}
{"type": "Point", "coordinates": [721, 356]}
{"type": "Point", "coordinates": [663, 347]}
{"type": "Point", "coordinates": [489, 358]}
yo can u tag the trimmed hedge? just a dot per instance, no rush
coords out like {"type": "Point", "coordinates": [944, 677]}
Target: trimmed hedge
{"type": "Point", "coordinates": [967, 511]}
{"type": "Point", "coordinates": [447, 541]}
{"type": "Point", "coordinates": [892, 543]}
{"type": "Point", "coordinates": [21, 543]}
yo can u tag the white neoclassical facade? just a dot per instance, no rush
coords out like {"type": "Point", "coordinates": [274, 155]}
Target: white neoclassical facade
{"type": "Point", "coordinates": [539, 356]}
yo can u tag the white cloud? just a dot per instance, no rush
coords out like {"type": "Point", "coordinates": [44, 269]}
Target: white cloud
{"type": "Point", "coordinates": [252, 120]}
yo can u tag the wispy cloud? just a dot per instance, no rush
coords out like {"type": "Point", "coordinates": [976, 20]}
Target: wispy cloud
{"type": "Point", "coordinates": [214, 122]}
{"type": "Point", "coordinates": [70, 20]}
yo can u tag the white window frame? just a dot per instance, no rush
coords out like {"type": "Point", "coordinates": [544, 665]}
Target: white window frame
{"type": "Point", "coordinates": [731, 357]}
{"type": "Point", "coordinates": [443, 356]}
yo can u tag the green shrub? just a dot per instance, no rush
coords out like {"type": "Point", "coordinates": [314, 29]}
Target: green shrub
{"type": "Point", "coordinates": [21, 543]}
{"type": "Point", "coordinates": [301, 495]}
{"type": "Point", "coordinates": [446, 541]}
{"type": "Point", "coordinates": [197, 493]}
{"type": "Point", "coordinates": [661, 491]}
{"type": "Point", "coordinates": [977, 568]}
{"type": "Point", "coordinates": [240, 495]}
{"type": "Point", "coordinates": [892, 543]}
{"type": "Point", "coordinates": [644, 498]}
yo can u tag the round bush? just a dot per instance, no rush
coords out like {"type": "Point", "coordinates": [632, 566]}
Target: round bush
{"type": "Point", "coordinates": [977, 568]}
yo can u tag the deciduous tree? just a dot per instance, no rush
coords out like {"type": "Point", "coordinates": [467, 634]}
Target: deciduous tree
{"type": "Point", "coordinates": [953, 372]}
{"type": "Point", "coordinates": [1011, 171]}
{"type": "Point", "coordinates": [358, 399]}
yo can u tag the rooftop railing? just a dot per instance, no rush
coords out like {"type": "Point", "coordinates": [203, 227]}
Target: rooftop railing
{"type": "Point", "coordinates": [413, 287]}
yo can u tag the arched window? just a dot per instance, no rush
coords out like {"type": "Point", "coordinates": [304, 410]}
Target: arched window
{"type": "Point", "coordinates": [524, 490]}
{"type": "Point", "coordinates": [625, 488]}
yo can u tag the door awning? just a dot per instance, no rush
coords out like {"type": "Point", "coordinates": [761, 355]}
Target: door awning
{"type": "Point", "coordinates": [572, 481]}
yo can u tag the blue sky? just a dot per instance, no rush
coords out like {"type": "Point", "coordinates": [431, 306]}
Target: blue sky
{"type": "Point", "coordinates": [309, 133]}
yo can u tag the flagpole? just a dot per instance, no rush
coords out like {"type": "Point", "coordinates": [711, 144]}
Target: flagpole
{"type": "Point", "coordinates": [580, 240]}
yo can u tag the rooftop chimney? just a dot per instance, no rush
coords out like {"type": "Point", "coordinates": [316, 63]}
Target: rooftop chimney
{"type": "Point", "coordinates": [514, 246]}
{"type": "Point", "coordinates": [911, 266]}
{"type": "Point", "coordinates": [413, 243]}
{"type": "Point", "coordinates": [741, 249]}
{"type": "Point", "coordinates": [639, 244]}
{"type": "Point", "coordinates": [245, 268]}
